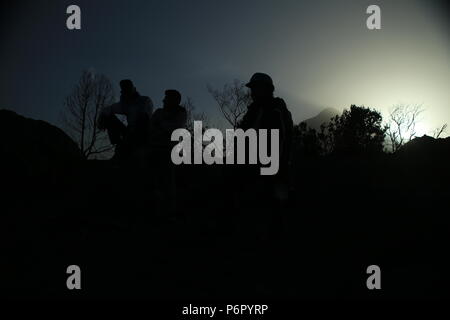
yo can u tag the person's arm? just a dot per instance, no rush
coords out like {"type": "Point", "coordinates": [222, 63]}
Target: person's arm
{"type": "Point", "coordinates": [115, 108]}
{"type": "Point", "coordinates": [108, 111]}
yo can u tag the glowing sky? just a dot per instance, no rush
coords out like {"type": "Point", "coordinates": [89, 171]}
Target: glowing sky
{"type": "Point", "coordinates": [319, 53]}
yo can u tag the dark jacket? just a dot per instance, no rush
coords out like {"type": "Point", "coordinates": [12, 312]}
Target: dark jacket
{"type": "Point", "coordinates": [163, 122]}
{"type": "Point", "coordinates": [273, 114]}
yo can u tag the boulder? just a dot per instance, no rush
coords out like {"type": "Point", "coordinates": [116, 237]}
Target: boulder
{"type": "Point", "coordinates": [34, 147]}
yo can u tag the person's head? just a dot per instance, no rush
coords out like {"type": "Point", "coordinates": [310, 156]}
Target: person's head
{"type": "Point", "coordinates": [172, 99]}
{"type": "Point", "coordinates": [261, 86]}
{"type": "Point", "coordinates": [127, 89]}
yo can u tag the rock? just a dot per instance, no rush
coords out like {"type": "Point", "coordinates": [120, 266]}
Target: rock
{"type": "Point", "coordinates": [322, 118]}
{"type": "Point", "coordinates": [426, 148]}
{"type": "Point", "coordinates": [33, 147]}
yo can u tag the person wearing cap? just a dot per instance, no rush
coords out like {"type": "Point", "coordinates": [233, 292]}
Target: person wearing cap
{"type": "Point", "coordinates": [268, 112]}
{"type": "Point", "coordinates": [138, 111]}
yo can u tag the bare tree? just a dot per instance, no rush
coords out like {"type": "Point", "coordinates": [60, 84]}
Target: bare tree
{"type": "Point", "coordinates": [402, 122]}
{"type": "Point", "coordinates": [81, 110]}
{"type": "Point", "coordinates": [192, 115]}
{"type": "Point", "coordinates": [439, 131]}
{"type": "Point", "coordinates": [233, 100]}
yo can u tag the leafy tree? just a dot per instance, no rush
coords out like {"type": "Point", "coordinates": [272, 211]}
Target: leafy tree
{"type": "Point", "coordinates": [357, 131]}
{"type": "Point", "coordinates": [305, 141]}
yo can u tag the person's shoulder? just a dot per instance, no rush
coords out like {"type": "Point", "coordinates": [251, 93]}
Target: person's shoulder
{"type": "Point", "coordinates": [181, 109]}
{"type": "Point", "coordinates": [280, 106]}
{"type": "Point", "coordinates": [279, 103]}
{"type": "Point", "coordinates": [158, 112]}
{"type": "Point", "coordinates": [146, 100]}
{"type": "Point", "coordinates": [280, 111]}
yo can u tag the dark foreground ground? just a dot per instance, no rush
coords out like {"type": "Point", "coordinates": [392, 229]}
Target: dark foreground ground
{"type": "Point", "coordinates": [343, 215]}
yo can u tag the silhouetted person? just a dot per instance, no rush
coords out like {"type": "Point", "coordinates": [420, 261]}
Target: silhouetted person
{"type": "Point", "coordinates": [166, 119]}
{"type": "Point", "coordinates": [268, 112]}
{"type": "Point", "coordinates": [163, 122]}
{"type": "Point", "coordinates": [138, 110]}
